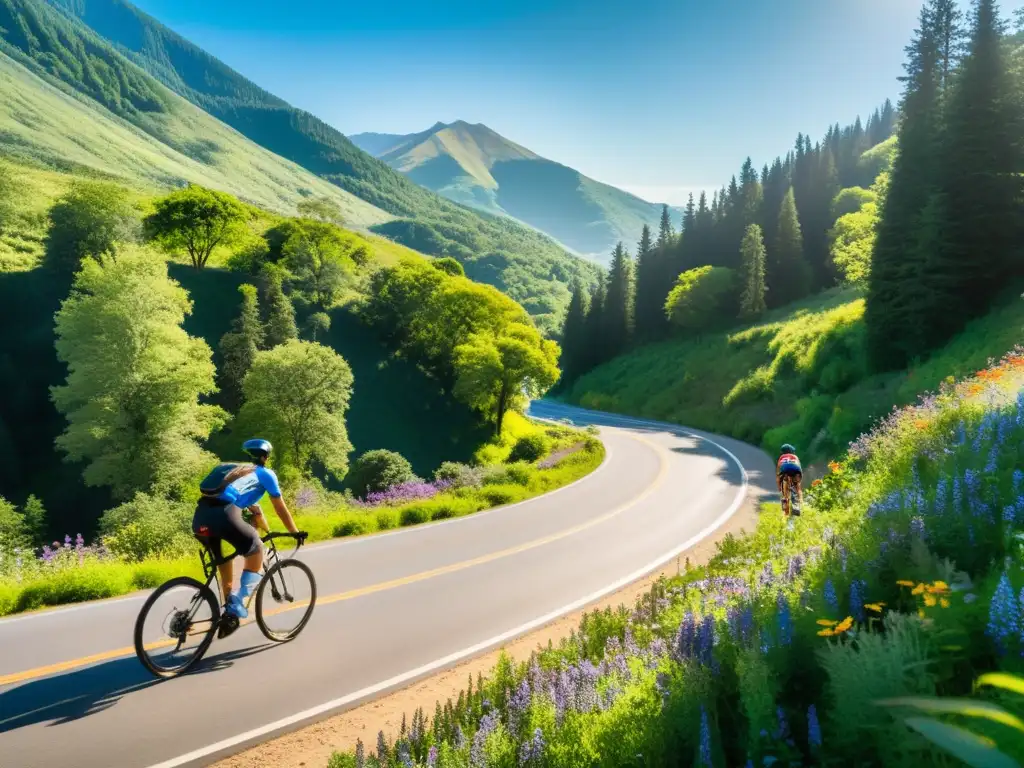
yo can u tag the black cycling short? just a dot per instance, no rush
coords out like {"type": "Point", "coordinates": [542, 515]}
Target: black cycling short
{"type": "Point", "coordinates": [216, 521]}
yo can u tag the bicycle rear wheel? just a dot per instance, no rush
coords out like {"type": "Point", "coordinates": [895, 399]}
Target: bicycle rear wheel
{"type": "Point", "coordinates": [285, 600]}
{"type": "Point", "coordinates": [176, 626]}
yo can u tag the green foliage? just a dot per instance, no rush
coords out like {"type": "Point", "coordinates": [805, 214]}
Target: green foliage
{"type": "Point", "coordinates": [35, 522]}
{"type": "Point", "coordinates": [239, 346]}
{"type": "Point", "coordinates": [853, 241]}
{"type": "Point", "coordinates": [148, 526]}
{"type": "Point", "coordinates": [457, 474]}
{"type": "Point", "coordinates": [297, 394]}
{"type": "Point", "coordinates": [752, 273]}
{"type": "Point", "coordinates": [575, 358]}
{"type": "Point", "coordinates": [280, 312]}
{"type": "Point", "coordinates": [90, 219]}
{"type": "Point", "coordinates": [196, 220]}
{"type": "Point", "coordinates": [788, 273]}
{"type": "Point", "coordinates": [316, 252]}
{"type": "Point", "coordinates": [497, 373]}
{"type": "Point", "coordinates": [378, 470]}
{"type": "Point", "coordinates": [12, 526]}
{"type": "Point", "coordinates": [135, 376]}
{"type": "Point", "coordinates": [7, 193]}
{"type": "Point", "coordinates": [698, 299]}
{"type": "Point", "coordinates": [322, 209]}
{"type": "Point", "coordinates": [618, 304]}
{"type": "Point", "coordinates": [449, 266]}
{"type": "Point", "coordinates": [318, 324]}
{"type": "Point", "coordinates": [529, 448]}
{"type": "Point", "coordinates": [851, 200]}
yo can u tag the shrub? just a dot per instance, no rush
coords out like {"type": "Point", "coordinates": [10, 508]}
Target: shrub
{"type": "Point", "coordinates": [414, 515]}
{"type": "Point", "coordinates": [458, 475]}
{"type": "Point", "coordinates": [519, 473]}
{"type": "Point", "coordinates": [148, 526]}
{"type": "Point", "coordinates": [386, 520]}
{"type": "Point", "coordinates": [529, 448]}
{"type": "Point", "coordinates": [378, 470]}
{"type": "Point", "coordinates": [499, 495]}
{"type": "Point", "coordinates": [353, 526]}
{"type": "Point", "coordinates": [442, 512]}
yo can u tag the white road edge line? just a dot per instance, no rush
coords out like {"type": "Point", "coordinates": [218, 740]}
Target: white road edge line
{"type": "Point", "coordinates": [321, 545]}
{"type": "Point", "coordinates": [474, 649]}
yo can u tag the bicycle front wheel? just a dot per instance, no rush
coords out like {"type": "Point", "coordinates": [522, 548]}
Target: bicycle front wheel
{"type": "Point", "coordinates": [176, 626]}
{"type": "Point", "coordinates": [285, 600]}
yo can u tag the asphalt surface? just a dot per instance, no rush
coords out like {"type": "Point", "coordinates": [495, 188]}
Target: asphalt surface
{"type": "Point", "coordinates": [391, 609]}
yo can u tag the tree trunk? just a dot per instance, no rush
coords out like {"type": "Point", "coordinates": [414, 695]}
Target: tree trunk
{"type": "Point", "coordinates": [502, 406]}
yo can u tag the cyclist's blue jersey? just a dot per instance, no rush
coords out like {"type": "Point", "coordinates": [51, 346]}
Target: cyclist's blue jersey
{"type": "Point", "coordinates": [249, 489]}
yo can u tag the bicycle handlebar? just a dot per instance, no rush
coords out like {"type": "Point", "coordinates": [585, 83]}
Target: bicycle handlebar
{"type": "Point", "coordinates": [299, 537]}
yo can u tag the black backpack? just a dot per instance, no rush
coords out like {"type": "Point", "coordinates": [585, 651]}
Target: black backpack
{"type": "Point", "coordinates": [222, 476]}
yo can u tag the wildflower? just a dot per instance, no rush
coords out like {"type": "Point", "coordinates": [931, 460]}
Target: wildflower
{"type": "Point", "coordinates": [905, 583]}
{"type": "Point", "coordinates": [517, 705]}
{"type": "Point", "coordinates": [1018, 479]}
{"type": "Point", "coordinates": [459, 738]}
{"type": "Point", "coordinates": [532, 751]}
{"type": "Point", "coordinates": [830, 596]}
{"type": "Point", "coordinates": [705, 738]}
{"type": "Point", "coordinates": [382, 748]}
{"type": "Point", "coordinates": [1004, 615]}
{"type": "Point", "coordinates": [785, 621]}
{"type": "Point", "coordinates": [874, 607]}
{"type": "Point", "coordinates": [836, 467]}
{"type": "Point", "coordinates": [795, 567]}
{"type": "Point", "coordinates": [918, 590]}
{"type": "Point", "coordinates": [857, 589]}
{"type": "Point", "coordinates": [431, 758]}
{"type": "Point", "coordinates": [402, 752]}
{"type": "Point", "coordinates": [360, 754]}
{"type": "Point", "coordinates": [816, 483]}
{"type": "Point", "coordinates": [488, 723]}
{"type": "Point", "coordinates": [813, 727]}
{"type": "Point", "coordinates": [917, 529]}
{"type": "Point", "coordinates": [783, 730]}
{"type": "Point", "coordinates": [826, 622]}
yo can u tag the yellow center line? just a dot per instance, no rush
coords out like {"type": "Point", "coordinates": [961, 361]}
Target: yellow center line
{"type": "Point", "coordinates": [62, 666]}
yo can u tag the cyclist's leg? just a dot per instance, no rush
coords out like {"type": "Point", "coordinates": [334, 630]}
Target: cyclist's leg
{"type": "Point", "coordinates": [246, 541]}
{"type": "Point", "coordinates": [206, 527]}
{"type": "Point", "coordinates": [798, 478]}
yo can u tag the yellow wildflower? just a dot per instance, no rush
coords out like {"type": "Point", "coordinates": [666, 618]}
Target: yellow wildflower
{"type": "Point", "coordinates": [835, 466]}
{"type": "Point", "coordinates": [827, 622]}
{"type": "Point", "coordinates": [826, 633]}
{"type": "Point", "coordinates": [944, 602]}
{"type": "Point", "coordinates": [905, 583]}
{"type": "Point", "coordinates": [919, 589]}
{"type": "Point", "coordinates": [844, 625]}
{"type": "Point", "coordinates": [876, 607]}
{"type": "Point", "coordinates": [930, 601]}
{"type": "Point", "coordinates": [939, 586]}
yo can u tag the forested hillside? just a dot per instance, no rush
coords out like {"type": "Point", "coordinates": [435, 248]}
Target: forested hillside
{"type": "Point", "coordinates": [527, 265]}
{"type": "Point", "coordinates": [922, 229]}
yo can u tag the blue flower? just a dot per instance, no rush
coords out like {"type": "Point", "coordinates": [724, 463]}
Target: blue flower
{"type": "Point", "coordinates": [813, 727]}
{"type": "Point", "coordinates": [785, 621]}
{"type": "Point", "coordinates": [705, 738]}
{"type": "Point", "coordinates": [532, 751]}
{"type": "Point", "coordinates": [917, 528]}
{"type": "Point", "coordinates": [1003, 615]}
{"type": "Point", "coordinates": [431, 758]}
{"type": "Point", "coordinates": [958, 499]}
{"type": "Point", "coordinates": [830, 596]}
{"type": "Point", "coordinates": [857, 589]}
{"type": "Point", "coordinates": [1018, 482]}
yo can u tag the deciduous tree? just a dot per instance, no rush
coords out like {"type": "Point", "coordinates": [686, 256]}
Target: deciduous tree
{"type": "Point", "coordinates": [90, 219]}
{"type": "Point", "coordinates": [196, 220]}
{"type": "Point", "coordinates": [239, 346]}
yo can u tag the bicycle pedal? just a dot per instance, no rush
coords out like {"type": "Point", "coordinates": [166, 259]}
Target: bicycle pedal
{"type": "Point", "coordinates": [227, 626]}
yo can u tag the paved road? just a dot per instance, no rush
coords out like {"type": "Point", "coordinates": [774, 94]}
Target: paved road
{"type": "Point", "coordinates": [393, 608]}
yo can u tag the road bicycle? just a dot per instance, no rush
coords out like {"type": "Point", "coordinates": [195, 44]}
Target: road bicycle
{"type": "Point", "coordinates": [194, 611]}
{"type": "Point", "coordinates": [790, 497]}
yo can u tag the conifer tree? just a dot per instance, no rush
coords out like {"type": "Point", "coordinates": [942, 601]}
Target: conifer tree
{"type": "Point", "coordinates": [665, 233]}
{"type": "Point", "coordinates": [619, 302]}
{"type": "Point", "coordinates": [281, 325]}
{"type": "Point", "coordinates": [574, 340]}
{"type": "Point", "coordinates": [788, 277]}
{"type": "Point", "coordinates": [239, 346]}
{"type": "Point", "coordinates": [649, 319]}
{"type": "Point", "coordinates": [752, 273]}
{"type": "Point", "coordinates": [594, 330]}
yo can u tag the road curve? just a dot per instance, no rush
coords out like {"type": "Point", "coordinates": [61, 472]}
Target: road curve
{"type": "Point", "coordinates": [392, 608]}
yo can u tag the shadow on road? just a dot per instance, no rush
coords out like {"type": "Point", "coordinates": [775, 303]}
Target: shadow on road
{"type": "Point", "coordinates": [64, 698]}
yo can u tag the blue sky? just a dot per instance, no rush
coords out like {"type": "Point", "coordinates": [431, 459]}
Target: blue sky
{"type": "Point", "coordinates": [656, 96]}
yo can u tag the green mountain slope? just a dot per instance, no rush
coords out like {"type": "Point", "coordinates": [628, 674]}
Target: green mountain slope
{"type": "Point", "coordinates": [42, 123]}
{"type": "Point", "coordinates": [475, 166]}
{"type": "Point", "coordinates": [532, 268]}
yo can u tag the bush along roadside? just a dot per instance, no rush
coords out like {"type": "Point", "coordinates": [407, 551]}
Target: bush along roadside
{"type": "Point", "coordinates": [146, 541]}
{"type": "Point", "coordinates": [853, 637]}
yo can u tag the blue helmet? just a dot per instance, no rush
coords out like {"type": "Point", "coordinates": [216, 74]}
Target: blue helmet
{"type": "Point", "coordinates": [787, 448]}
{"type": "Point", "coordinates": [258, 448]}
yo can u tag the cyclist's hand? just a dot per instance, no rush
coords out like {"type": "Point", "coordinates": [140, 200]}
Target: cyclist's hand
{"type": "Point", "coordinates": [301, 536]}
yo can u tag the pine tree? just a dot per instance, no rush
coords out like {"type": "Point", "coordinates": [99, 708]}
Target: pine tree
{"type": "Point", "coordinates": [619, 302]}
{"type": "Point", "coordinates": [648, 316]}
{"type": "Point", "coordinates": [752, 273]}
{"type": "Point", "coordinates": [947, 21]}
{"type": "Point", "coordinates": [280, 326]}
{"type": "Point", "coordinates": [896, 297]}
{"type": "Point", "coordinates": [596, 352]}
{"type": "Point", "coordinates": [980, 185]}
{"type": "Point", "coordinates": [239, 346]}
{"type": "Point", "coordinates": [665, 233]}
{"type": "Point", "coordinates": [788, 274]}
{"type": "Point", "coordinates": [574, 340]}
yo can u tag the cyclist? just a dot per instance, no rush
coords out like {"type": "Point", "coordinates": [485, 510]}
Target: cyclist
{"type": "Point", "coordinates": [789, 466]}
{"type": "Point", "coordinates": [218, 518]}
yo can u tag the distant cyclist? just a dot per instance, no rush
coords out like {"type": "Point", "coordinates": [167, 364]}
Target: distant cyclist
{"type": "Point", "coordinates": [788, 466]}
{"type": "Point", "coordinates": [226, 492]}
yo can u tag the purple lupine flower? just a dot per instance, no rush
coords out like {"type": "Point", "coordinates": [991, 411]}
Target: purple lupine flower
{"type": "Point", "coordinates": [536, 677]}
{"type": "Point", "coordinates": [1003, 615]}
{"type": "Point", "coordinates": [488, 723]}
{"type": "Point", "coordinates": [67, 542]}
{"type": "Point", "coordinates": [661, 686]}
{"type": "Point", "coordinates": [585, 676]}
{"type": "Point", "coordinates": [785, 621]}
{"type": "Point", "coordinates": [705, 738]}
{"type": "Point", "coordinates": [813, 727]}
{"type": "Point", "coordinates": [1009, 514]}
{"type": "Point", "coordinates": [305, 497]}
{"type": "Point", "coordinates": [402, 753]}
{"type": "Point", "coordinates": [79, 542]}
{"type": "Point", "coordinates": [517, 705]}
{"type": "Point", "coordinates": [47, 555]}
{"type": "Point", "coordinates": [686, 637]}
{"type": "Point", "coordinates": [360, 754]}
{"type": "Point", "coordinates": [958, 499]}
{"type": "Point", "coordinates": [993, 459]}
{"type": "Point", "coordinates": [1018, 482]}
{"type": "Point", "coordinates": [382, 748]}
{"type": "Point", "coordinates": [917, 528]}
{"type": "Point", "coordinates": [656, 651]}
{"type": "Point", "coordinates": [794, 568]}
{"type": "Point", "coordinates": [629, 643]}
{"type": "Point", "coordinates": [767, 576]}
{"type": "Point", "coordinates": [857, 590]}
{"type": "Point", "coordinates": [459, 738]}
{"type": "Point", "coordinates": [562, 694]}
{"type": "Point", "coordinates": [432, 757]}
{"type": "Point", "coordinates": [706, 641]}
{"type": "Point", "coordinates": [940, 495]}
{"type": "Point", "coordinates": [830, 596]}
{"type": "Point", "coordinates": [532, 752]}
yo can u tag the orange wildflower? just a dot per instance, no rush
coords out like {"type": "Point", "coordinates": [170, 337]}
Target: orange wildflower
{"type": "Point", "coordinates": [816, 483]}
{"type": "Point", "coordinates": [844, 625]}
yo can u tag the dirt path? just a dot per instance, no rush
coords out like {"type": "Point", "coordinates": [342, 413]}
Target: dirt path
{"type": "Point", "coordinates": [312, 745]}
